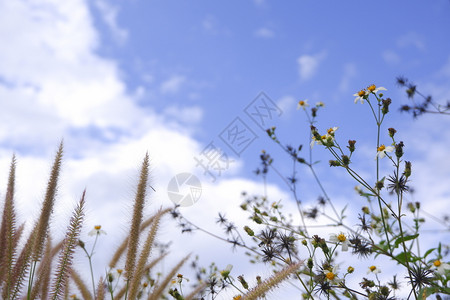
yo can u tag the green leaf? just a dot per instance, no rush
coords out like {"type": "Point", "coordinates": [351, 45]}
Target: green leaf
{"type": "Point", "coordinates": [401, 258]}
{"type": "Point", "coordinates": [428, 252]}
{"type": "Point", "coordinates": [405, 239]}
{"type": "Point", "coordinates": [424, 293]}
{"type": "Point", "coordinates": [368, 195]}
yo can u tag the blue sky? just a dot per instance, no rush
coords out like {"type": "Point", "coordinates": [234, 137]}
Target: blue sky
{"type": "Point", "coordinates": [115, 79]}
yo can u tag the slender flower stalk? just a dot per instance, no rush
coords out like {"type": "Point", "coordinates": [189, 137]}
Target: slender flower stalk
{"type": "Point", "coordinates": [136, 219]}
{"type": "Point", "coordinates": [272, 282]}
{"type": "Point", "coordinates": [66, 256]}
{"type": "Point", "coordinates": [47, 206]}
{"type": "Point", "coordinates": [140, 268]}
{"type": "Point", "coordinates": [8, 232]}
{"type": "Point", "coordinates": [81, 285]}
{"type": "Point", "coordinates": [156, 294]}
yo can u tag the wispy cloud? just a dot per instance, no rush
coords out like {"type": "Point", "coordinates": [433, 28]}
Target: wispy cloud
{"type": "Point", "coordinates": [265, 33]}
{"type": "Point", "coordinates": [348, 74]}
{"type": "Point", "coordinates": [412, 39]}
{"type": "Point", "coordinates": [210, 24]}
{"type": "Point", "coordinates": [391, 57]}
{"type": "Point", "coordinates": [287, 104]}
{"type": "Point", "coordinates": [173, 84]}
{"type": "Point", "coordinates": [109, 15]}
{"type": "Point", "coordinates": [190, 115]}
{"type": "Point", "coordinates": [309, 64]}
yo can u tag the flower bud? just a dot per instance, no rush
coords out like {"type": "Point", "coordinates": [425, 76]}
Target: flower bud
{"type": "Point", "coordinates": [407, 171]}
{"type": "Point", "coordinates": [351, 145]}
{"type": "Point", "coordinates": [385, 107]}
{"type": "Point", "coordinates": [399, 149]}
{"type": "Point", "coordinates": [392, 132]}
{"type": "Point", "coordinates": [249, 231]}
{"type": "Point", "coordinates": [243, 282]}
{"type": "Point", "coordinates": [334, 163]}
{"type": "Point", "coordinates": [345, 160]}
{"type": "Point", "coordinates": [310, 263]}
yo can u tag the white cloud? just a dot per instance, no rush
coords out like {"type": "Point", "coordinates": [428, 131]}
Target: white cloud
{"type": "Point", "coordinates": [348, 74]}
{"type": "Point", "coordinates": [265, 33]}
{"type": "Point", "coordinates": [109, 15]}
{"type": "Point", "coordinates": [188, 115]}
{"type": "Point", "coordinates": [54, 85]}
{"type": "Point", "coordinates": [260, 3]}
{"type": "Point", "coordinates": [173, 84]}
{"type": "Point", "coordinates": [391, 57]}
{"type": "Point", "coordinates": [210, 24]}
{"type": "Point", "coordinates": [308, 64]}
{"type": "Point", "coordinates": [445, 70]}
{"type": "Point", "coordinates": [287, 104]}
{"type": "Point", "coordinates": [411, 39]}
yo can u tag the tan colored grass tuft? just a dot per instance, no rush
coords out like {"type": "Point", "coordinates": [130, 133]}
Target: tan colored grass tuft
{"type": "Point", "coordinates": [272, 282]}
{"type": "Point", "coordinates": [66, 256]}
{"type": "Point", "coordinates": [8, 232]}
{"type": "Point", "coordinates": [136, 219]}
{"type": "Point", "coordinates": [145, 253]}
{"type": "Point", "coordinates": [159, 289]}
{"type": "Point", "coordinates": [47, 206]}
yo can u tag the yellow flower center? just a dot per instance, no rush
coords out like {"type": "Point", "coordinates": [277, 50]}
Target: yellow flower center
{"type": "Point", "coordinates": [372, 268]}
{"type": "Point", "coordinates": [437, 263]}
{"type": "Point", "coordinates": [237, 297]}
{"type": "Point", "coordinates": [341, 237]}
{"type": "Point", "coordinates": [330, 131]}
{"type": "Point", "coordinates": [301, 103]}
{"type": "Point", "coordinates": [330, 275]}
{"type": "Point", "coordinates": [119, 271]}
{"type": "Point", "coordinates": [145, 284]}
{"type": "Point", "coordinates": [361, 93]}
{"type": "Point", "coordinates": [98, 227]}
{"type": "Point", "coordinates": [323, 137]}
{"type": "Point", "coordinates": [381, 148]}
{"type": "Point", "coordinates": [372, 88]}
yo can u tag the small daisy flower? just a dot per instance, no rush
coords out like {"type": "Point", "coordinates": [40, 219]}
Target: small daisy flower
{"type": "Point", "coordinates": [332, 130]}
{"type": "Point", "coordinates": [325, 139]}
{"type": "Point", "coordinates": [373, 89]}
{"type": "Point", "coordinates": [302, 104]}
{"type": "Point", "coordinates": [179, 279]}
{"type": "Point", "coordinates": [340, 239]}
{"type": "Point", "coordinates": [360, 96]}
{"type": "Point", "coordinates": [331, 276]}
{"type": "Point", "coordinates": [373, 270]}
{"type": "Point", "coordinates": [226, 272]}
{"type": "Point", "coordinates": [381, 151]}
{"type": "Point", "coordinates": [97, 230]}
{"type": "Point", "coordinates": [440, 267]}
{"type": "Point", "coordinates": [320, 104]}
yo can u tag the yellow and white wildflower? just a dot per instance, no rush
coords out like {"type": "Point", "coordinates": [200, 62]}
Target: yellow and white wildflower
{"type": "Point", "coordinates": [440, 267]}
{"type": "Point", "coordinates": [302, 104]}
{"type": "Point", "coordinates": [373, 270]}
{"type": "Point", "coordinates": [381, 151]}
{"type": "Point", "coordinates": [97, 230]}
{"type": "Point", "coordinates": [331, 276]}
{"type": "Point", "coordinates": [340, 239]}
